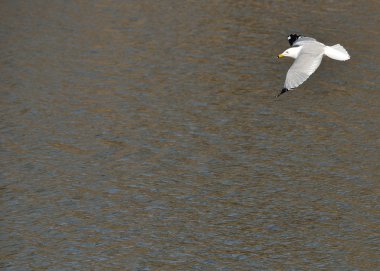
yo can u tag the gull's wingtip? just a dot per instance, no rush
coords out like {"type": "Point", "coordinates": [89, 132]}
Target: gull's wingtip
{"type": "Point", "coordinates": [282, 92]}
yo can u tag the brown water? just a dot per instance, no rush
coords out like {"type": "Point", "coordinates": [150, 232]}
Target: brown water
{"type": "Point", "coordinates": [144, 135]}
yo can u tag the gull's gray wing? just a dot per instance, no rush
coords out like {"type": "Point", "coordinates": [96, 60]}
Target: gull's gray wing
{"type": "Point", "coordinates": [304, 66]}
{"type": "Point", "coordinates": [295, 38]}
{"type": "Point", "coordinates": [302, 40]}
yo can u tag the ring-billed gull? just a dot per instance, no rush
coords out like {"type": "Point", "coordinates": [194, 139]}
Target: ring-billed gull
{"type": "Point", "coordinates": [308, 53]}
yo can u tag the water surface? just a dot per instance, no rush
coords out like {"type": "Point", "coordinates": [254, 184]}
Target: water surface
{"type": "Point", "coordinates": [145, 135]}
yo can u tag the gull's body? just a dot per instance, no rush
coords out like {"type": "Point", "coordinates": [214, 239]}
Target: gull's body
{"type": "Point", "coordinates": [308, 53]}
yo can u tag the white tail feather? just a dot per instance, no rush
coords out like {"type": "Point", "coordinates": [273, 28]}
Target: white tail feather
{"type": "Point", "coordinates": [337, 52]}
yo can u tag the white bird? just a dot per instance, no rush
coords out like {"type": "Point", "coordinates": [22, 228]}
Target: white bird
{"type": "Point", "coordinates": [308, 53]}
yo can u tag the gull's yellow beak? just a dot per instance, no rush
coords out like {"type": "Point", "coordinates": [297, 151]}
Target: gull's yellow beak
{"type": "Point", "coordinates": [280, 55]}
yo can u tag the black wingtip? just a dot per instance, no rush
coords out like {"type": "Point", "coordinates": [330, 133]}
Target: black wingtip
{"type": "Point", "coordinates": [292, 38]}
{"type": "Point", "coordinates": [282, 92]}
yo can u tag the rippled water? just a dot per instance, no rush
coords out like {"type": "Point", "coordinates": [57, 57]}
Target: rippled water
{"type": "Point", "coordinates": [144, 135]}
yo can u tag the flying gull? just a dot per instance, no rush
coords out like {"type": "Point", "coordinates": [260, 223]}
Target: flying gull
{"type": "Point", "coordinates": [308, 53]}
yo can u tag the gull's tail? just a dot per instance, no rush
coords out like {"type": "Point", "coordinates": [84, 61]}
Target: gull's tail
{"type": "Point", "coordinates": [337, 52]}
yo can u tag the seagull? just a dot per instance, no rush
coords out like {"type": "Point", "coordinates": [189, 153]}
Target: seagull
{"type": "Point", "coordinates": [308, 53]}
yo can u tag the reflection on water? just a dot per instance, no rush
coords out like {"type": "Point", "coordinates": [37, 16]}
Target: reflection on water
{"type": "Point", "coordinates": [144, 135]}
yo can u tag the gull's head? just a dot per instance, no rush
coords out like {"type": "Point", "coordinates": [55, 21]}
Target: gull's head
{"type": "Point", "coordinates": [291, 52]}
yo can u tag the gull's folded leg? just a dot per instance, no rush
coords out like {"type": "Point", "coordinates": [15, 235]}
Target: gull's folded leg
{"type": "Point", "coordinates": [282, 92]}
